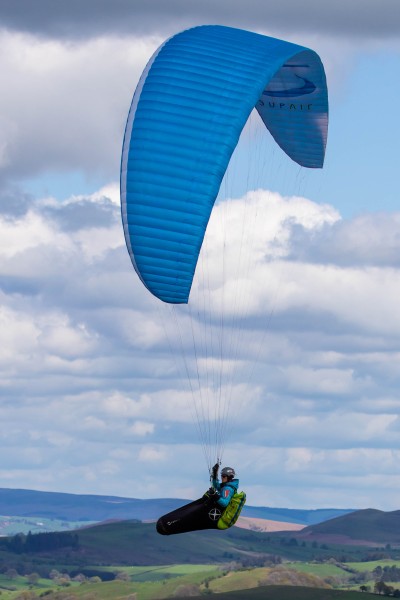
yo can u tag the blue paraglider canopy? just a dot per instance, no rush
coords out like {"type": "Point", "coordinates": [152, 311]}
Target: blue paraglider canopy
{"type": "Point", "coordinates": [186, 117]}
{"type": "Point", "coordinates": [188, 111]}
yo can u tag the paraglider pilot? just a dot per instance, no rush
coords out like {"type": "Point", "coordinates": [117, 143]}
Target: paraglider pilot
{"type": "Point", "coordinates": [216, 509]}
{"type": "Point", "coordinates": [220, 493]}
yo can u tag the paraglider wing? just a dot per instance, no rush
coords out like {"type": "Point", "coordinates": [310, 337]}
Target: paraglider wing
{"type": "Point", "coordinates": [186, 117]}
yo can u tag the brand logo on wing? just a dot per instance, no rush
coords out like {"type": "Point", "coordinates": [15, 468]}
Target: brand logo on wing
{"type": "Point", "coordinates": [308, 88]}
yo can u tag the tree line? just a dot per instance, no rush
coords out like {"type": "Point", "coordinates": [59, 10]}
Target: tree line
{"type": "Point", "coordinates": [41, 542]}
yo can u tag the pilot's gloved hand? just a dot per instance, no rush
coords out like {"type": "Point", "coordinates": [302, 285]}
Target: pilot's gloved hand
{"type": "Point", "coordinates": [215, 470]}
{"type": "Point", "coordinates": [211, 496]}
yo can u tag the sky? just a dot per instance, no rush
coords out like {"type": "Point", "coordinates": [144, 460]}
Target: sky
{"type": "Point", "coordinates": [94, 392]}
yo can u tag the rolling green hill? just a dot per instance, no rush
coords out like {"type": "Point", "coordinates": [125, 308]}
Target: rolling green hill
{"type": "Point", "coordinates": [283, 592]}
{"type": "Point", "coordinates": [374, 526]}
{"type": "Point", "coordinates": [139, 544]}
{"type": "Point", "coordinates": [132, 543]}
{"type": "Point", "coordinates": [206, 561]}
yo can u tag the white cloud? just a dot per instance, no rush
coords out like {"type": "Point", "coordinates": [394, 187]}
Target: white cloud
{"type": "Point", "coordinates": [311, 387]}
{"type": "Point", "coordinates": [141, 428]}
{"type": "Point", "coordinates": [121, 405]}
{"type": "Point", "coordinates": [110, 191]}
{"type": "Point", "coordinates": [297, 459]}
{"type": "Point", "coordinates": [93, 422]}
{"type": "Point", "coordinates": [41, 131]}
{"type": "Point", "coordinates": [152, 454]}
{"type": "Point", "coordinates": [320, 381]}
{"type": "Point", "coordinates": [19, 334]}
{"type": "Point", "coordinates": [30, 232]}
{"type": "Point", "coordinates": [66, 341]}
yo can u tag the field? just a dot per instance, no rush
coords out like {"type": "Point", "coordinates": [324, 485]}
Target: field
{"type": "Point", "coordinates": [322, 570]}
{"type": "Point", "coordinates": [148, 583]}
{"type": "Point", "coordinates": [175, 585]}
{"type": "Point", "coordinates": [121, 560]}
{"type": "Point", "coordinates": [115, 591]}
{"type": "Point", "coordinates": [342, 575]}
{"type": "Point", "coordinates": [371, 565]}
{"type": "Point", "coordinates": [12, 587]}
{"type": "Point", "coordinates": [157, 573]}
{"type": "Point", "coordinates": [280, 592]}
{"type": "Point", "coordinates": [159, 582]}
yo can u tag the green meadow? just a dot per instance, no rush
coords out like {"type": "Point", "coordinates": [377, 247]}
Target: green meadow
{"type": "Point", "coordinates": [371, 565]}
{"type": "Point", "coordinates": [130, 561]}
{"type": "Point", "coordinates": [147, 583]}
{"type": "Point", "coordinates": [159, 582]}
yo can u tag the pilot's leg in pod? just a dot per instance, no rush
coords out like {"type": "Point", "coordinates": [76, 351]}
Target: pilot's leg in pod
{"type": "Point", "coordinates": [191, 517]}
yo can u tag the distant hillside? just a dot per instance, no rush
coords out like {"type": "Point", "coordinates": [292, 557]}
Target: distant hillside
{"type": "Point", "coordinates": [80, 507]}
{"type": "Point", "coordinates": [369, 525]}
{"type": "Point", "coordinates": [132, 543]}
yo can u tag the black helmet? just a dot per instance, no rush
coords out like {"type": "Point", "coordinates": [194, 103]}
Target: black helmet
{"type": "Point", "coordinates": [228, 472]}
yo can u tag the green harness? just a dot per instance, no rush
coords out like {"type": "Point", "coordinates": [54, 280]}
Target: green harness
{"type": "Point", "coordinates": [232, 511]}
